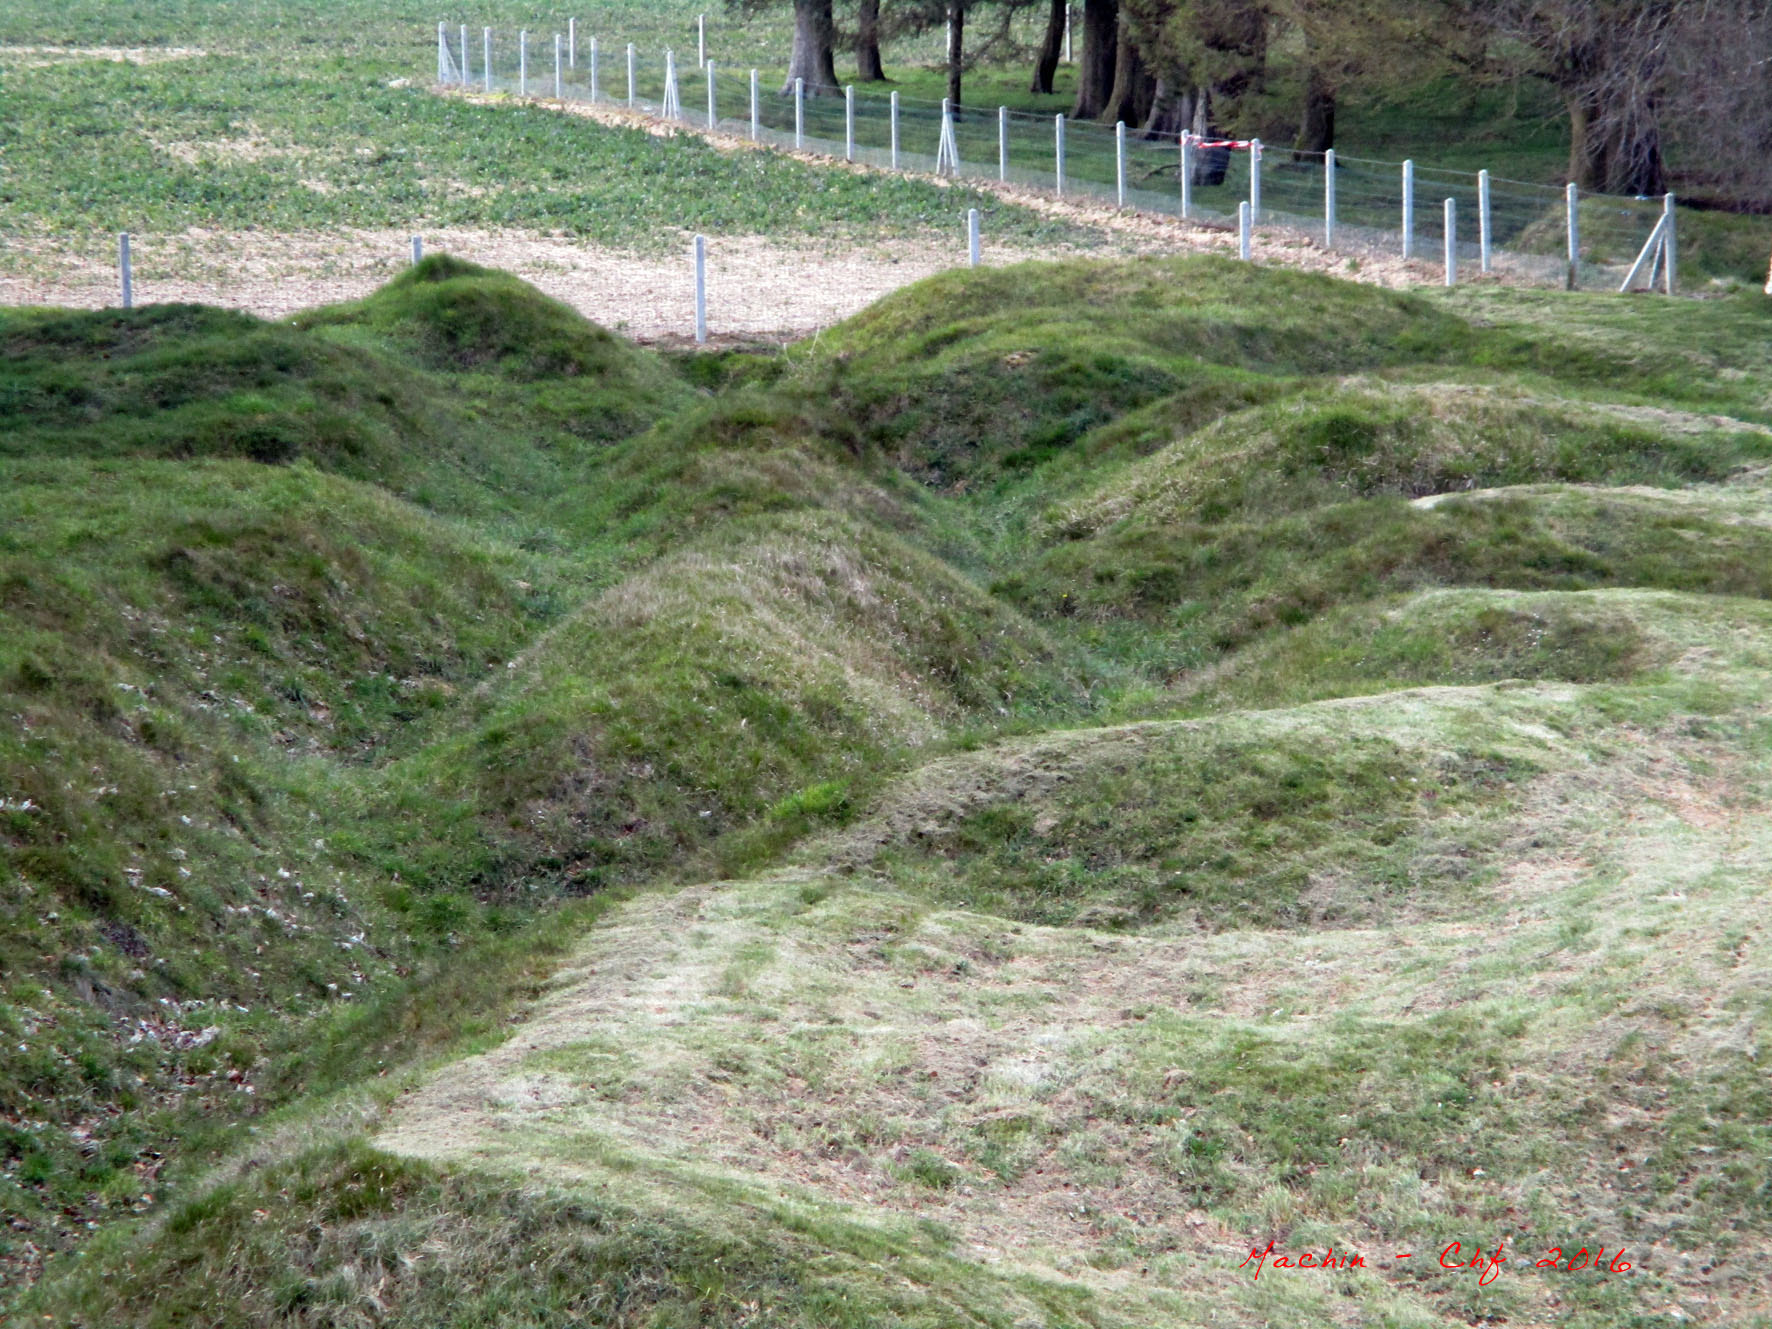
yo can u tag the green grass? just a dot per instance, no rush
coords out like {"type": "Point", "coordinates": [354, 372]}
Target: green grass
{"type": "Point", "coordinates": [345, 647]}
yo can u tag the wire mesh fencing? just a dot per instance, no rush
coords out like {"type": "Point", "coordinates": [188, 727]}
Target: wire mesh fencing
{"type": "Point", "coordinates": [1459, 223]}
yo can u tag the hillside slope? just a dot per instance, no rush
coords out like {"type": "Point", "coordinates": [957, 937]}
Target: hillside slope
{"type": "Point", "coordinates": [1078, 775]}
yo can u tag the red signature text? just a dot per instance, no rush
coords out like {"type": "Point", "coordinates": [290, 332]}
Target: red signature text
{"type": "Point", "coordinates": [1303, 1260]}
{"type": "Point", "coordinates": [1487, 1264]}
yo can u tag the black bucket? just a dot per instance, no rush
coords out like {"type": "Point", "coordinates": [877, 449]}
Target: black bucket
{"type": "Point", "coordinates": [1211, 165]}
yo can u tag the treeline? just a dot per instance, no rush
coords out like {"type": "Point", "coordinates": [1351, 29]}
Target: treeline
{"type": "Point", "coordinates": [1639, 81]}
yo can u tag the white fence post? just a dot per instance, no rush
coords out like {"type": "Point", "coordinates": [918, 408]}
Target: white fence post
{"type": "Point", "coordinates": [1254, 180]}
{"type": "Point", "coordinates": [1068, 16]}
{"type": "Point", "coordinates": [1485, 226]}
{"type": "Point", "coordinates": [523, 63]}
{"type": "Point", "coordinates": [713, 102]}
{"type": "Point", "coordinates": [125, 277]}
{"type": "Point", "coordinates": [755, 107]}
{"type": "Point", "coordinates": [486, 56]}
{"type": "Point", "coordinates": [1408, 209]}
{"type": "Point", "coordinates": [1329, 199]}
{"type": "Point", "coordinates": [630, 76]}
{"type": "Point", "coordinates": [572, 43]}
{"type": "Point", "coordinates": [701, 39]}
{"type": "Point", "coordinates": [559, 56]}
{"type": "Point", "coordinates": [442, 53]}
{"type": "Point", "coordinates": [464, 55]}
{"type": "Point", "coordinates": [593, 69]}
{"type": "Point", "coordinates": [1187, 175]}
{"type": "Point", "coordinates": [849, 123]}
{"type": "Point", "coordinates": [895, 131]}
{"type": "Point", "coordinates": [1245, 219]}
{"type": "Point", "coordinates": [701, 289]}
{"type": "Point", "coordinates": [947, 150]}
{"type": "Point", "coordinates": [1571, 204]}
{"type": "Point", "coordinates": [1670, 252]}
{"type": "Point", "coordinates": [1058, 153]}
{"type": "Point", "coordinates": [418, 249]}
{"type": "Point", "coordinates": [1120, 163]}
{"type": "Point", "coordinates": [972, 236]}
{"type": "Point", "coordinates": [673, 104]}
{"type": "Point", "coordinates": [799, 113]}
{"type": "Point", "coordinates": [1451, 242]}
{"type": "Point", "coordinates": [1003, 144]}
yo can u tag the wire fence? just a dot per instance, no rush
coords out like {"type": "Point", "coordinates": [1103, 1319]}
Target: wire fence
{"type": "Point", "coordinates": [1466, 224]}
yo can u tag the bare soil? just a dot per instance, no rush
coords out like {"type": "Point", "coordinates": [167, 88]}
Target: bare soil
{"type": "Point", "coordinates": [759, 287]}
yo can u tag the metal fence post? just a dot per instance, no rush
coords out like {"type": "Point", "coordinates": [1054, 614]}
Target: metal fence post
{"type": "Point", "coordinates": [713, 102]}
{"type": "Point", "coordinates": [895, 131]}
{"type": "Point", "coordinates": [442, 53]}
{"type": "Point", "coordinates": [572, 43]}
{"type": "Point", "coordinates": [1245, 219]}
{"type": "Point", "coordinates": [1058, 153]}
{"type": "Point", "coordinates": [755, 107]}
{"type": "Point", "coordinates": [799, 113]}
{"type": "Point", "coordinates": [559, 57]}
{"type": "Point", "coordinates": [1254, 180]}
{"type": "Point", "coordinates": [630, 76]}
{"type": "Point", "coordinates": [593, 69]}
{"type": "Point", "coordinates": [701, 289]}
{"type": "Point", "coordinates": [849, 123]}
{"type": "Point", "coordinates": [701, 38]}
{"type": "Point", "coordinates": [1120, 163]}
{"type": "Point", "coordinates": [1670, 253]}
{"type": "Point", "coordinates": [1571, 203]}
{"type": "Point", "coordinates": [1451, 242]}
{"type": "Point", "coordinates": [1408, 209]}
{"type": "Point", "coordinates": [486, 56]}
{"type": "Point", "coordinates": [418, 249]}
{"type": "Point", "coordinates": [125, 277]}
{"type": "Point", "coordinates": [464, 55]}
{"type": "Point", "coordinates": [1329, 199]}
{"type": "Point", "coordinates": [1003, 144]}
{"type": "Point", "coordinates": [1485, 225]}
{"type": "Point", "coordinates": [1187, 175]}
{"type": "Point", "coordinates": [523, 63]}
{"type": "Point", "coordinates": [972, 236]}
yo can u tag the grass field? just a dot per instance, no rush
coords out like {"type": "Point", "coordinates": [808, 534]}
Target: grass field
{"type": "Point", "coordinates": [316, 118]}
{"type": "Point", "coordinates": [987, 814]}
{"type": "Point", "coordinates": [997, 812]}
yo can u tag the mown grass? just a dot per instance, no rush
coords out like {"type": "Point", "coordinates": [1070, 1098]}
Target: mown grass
{"type": "Point", "coordinates": [508, 610]}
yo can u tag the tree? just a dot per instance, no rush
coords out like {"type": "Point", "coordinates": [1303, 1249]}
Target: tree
{"type": "Point", "coordinates": [956, 48]}
{"type": "Point", "coordinates": [1607, 60]}
{"type": "Point", "coordinates": [1058, 18]}
{"type": "Point", "coordinates": [868, 67]}
{"type": "Point", "coordinates": [1206, 57]}
{"type": "Point", "coordinates": [1095, 70]}
{"type": "Point", "coordinates": [813, 59]}
{"type": "Point", "coordinates": [1135, 86]}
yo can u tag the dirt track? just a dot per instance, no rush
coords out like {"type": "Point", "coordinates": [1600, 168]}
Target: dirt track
{"type": "Point", "coordinates": [759, 287]}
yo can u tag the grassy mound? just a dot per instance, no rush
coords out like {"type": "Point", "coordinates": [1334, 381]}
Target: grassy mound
{"type": "Point", "coordinates": [1363, 438]}
{"type": "Point", "coordinates": [1422, 621]}
{"type": "Point", "coordinates": [765, 676]}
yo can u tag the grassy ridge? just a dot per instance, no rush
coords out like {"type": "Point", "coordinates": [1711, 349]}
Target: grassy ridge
{"type": "Point", "coordinates": [325, 731]}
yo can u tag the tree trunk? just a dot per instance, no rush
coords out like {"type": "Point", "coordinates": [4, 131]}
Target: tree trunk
{"type": "Point", "coordinates": [813, 59]}
{"type": "Point", "coordinates": [1172, 111]}
{"type": "Point", "coordinates": [1051, 46]}
{"type": "Point", "coordinates": [956, 48]}
{"type": "Point", "coordinates": [1095, 71]}
{"type": "Point", "coordinates": [1616, 153]}
{"type": "Point", "coordinates": [868, 68]}
{"type": "Point", "coordinates": [1316, 131]}
{"type": "Point", "coordinates": [1134, 88]}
